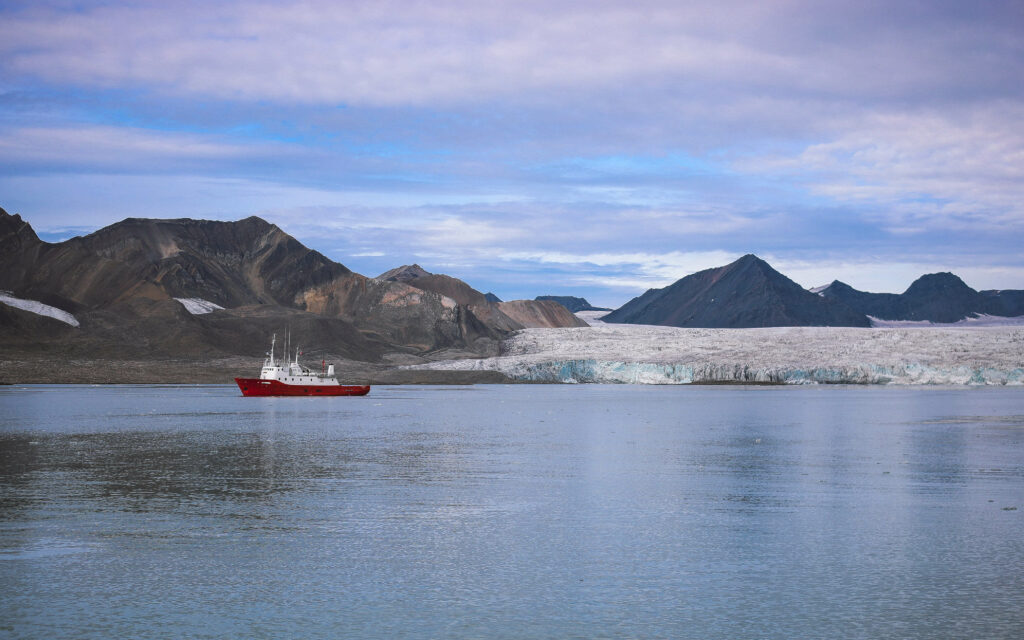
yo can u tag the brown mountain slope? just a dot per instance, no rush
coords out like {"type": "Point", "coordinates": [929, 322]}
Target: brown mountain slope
{"type": "Point", "coordinates": [540, 314]}
{"type": "Point", "coordinates": [418, 277]}
{"type": "Point", "coordinates": [506, 316]}
{"type": "Point", "coordinates": [121, 280]}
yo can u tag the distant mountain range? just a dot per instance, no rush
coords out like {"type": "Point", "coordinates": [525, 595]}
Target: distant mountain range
{"type": "Point", "coordinates": [573, 303]}
{"type": "Point", "coordinates": [750, 293]}
{"type": "Point", "coordinates": [131, 287]}
{"type": "Point", "coordinates": [936, 297]}
{"type": "Point", "coordinates": [745, 293]}
{"type": "Point", "coordinates": [201, 289]}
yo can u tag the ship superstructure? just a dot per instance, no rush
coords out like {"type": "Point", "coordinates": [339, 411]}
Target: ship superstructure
{"type": "Point", "coordinates": [293, 379]}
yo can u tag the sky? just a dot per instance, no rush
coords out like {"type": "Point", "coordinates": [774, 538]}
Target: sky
{"type": "Point", "coordinates": [594, 148]}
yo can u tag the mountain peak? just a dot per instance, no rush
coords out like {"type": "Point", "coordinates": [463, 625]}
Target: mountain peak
{"type": "Point", "coordinates": [748, 292]}
{"type": "Point", "coordinates": [14, 229]}
{"type": "Point", "coordinates": [750, 261]}
{"type": "Point", "coordinates": [933, 283]}
{"type": "Point", "coordinates": [404, 273]}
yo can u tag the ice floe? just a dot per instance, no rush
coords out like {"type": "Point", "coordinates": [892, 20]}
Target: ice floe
{"type": "Point", "coordinates": [39, 308]}
{"type": "Point", "coordinates": [197, 306]}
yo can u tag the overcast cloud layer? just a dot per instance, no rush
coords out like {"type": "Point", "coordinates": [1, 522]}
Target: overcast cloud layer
{"type": "Point", "coordinates": [582, 148]}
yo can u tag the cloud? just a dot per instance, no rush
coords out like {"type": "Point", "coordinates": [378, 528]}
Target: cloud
{"type": "Point", "coordinates": [400, 53]}
{"type": "Point", "coordinates": [597, 144]}
{"type": "Point", "coordinates": [95, 148]}
{"type": "Point", "coordinates": [918, 171]}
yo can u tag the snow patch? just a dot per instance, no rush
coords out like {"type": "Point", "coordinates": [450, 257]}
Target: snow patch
{"type": "Point", "coordinates": [197, 306]}
{"type": "Point", "coordinates": [38, 308]}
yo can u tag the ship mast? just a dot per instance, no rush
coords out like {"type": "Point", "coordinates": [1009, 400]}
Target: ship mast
{"type": "Point", "coordinates": [273, 340]}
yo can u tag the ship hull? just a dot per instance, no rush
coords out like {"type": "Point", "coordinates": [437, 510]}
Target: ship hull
{"type": "Point", "coordinates": [255, 387]}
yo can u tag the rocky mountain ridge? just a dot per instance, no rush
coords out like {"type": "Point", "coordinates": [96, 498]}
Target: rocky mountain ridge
{"type": "Point", "coordinates": [124, 282]}
{"type": "Point", "coordinates": [573, 303]}
{"type": "Point", "coordinates": [511, 315]}
{"type": "Point", "coordinates": [935, 297]}
{"type": "Point", "coordinates": [744, 294]}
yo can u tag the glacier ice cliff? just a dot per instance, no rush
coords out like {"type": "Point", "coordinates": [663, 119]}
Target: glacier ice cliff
{"type": "Point", "coordinates": [631, 354]}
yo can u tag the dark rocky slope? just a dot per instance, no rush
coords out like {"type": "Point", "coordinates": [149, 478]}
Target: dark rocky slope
{"type": "Point", "coordinates": [745, 293]}
{"type": "Point", "coordinates": [121, 281]}
{"type": "Point", "coordinates": [572, 303]}
{"type": "Point", "coordinates": [935, 297]}
{"type": "Point", "coordinates": [540, 314]}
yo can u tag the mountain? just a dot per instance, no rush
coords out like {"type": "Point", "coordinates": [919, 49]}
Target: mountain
{"type": "Point", "coordinates": [1005, 302]}
{"type": "Point", "coordinates": [491, 297]}
{"type": "Point", "coordinates": [573, 303]}
{"type": "Point", "coordinates": [935, 297]}
{"type": "Point", "coordinates": [121, 284]}
{"type": "Point", "coordinates": [745, 293]}
{"type": "Point", "coordinates": [542, 314]}
{"type": "Point", "coordinates": [510, 316]}
{"type": "Point", "coordinates": [228, 263]}
{"type": "Point", "coordinates": [418, 277]}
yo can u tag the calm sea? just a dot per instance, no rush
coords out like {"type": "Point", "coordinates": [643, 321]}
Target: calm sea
{"type": "Point", "coordinates": [527, 511]}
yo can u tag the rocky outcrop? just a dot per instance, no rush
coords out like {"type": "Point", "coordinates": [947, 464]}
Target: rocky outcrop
{"type": "Point", "coordinates": [746, 293]}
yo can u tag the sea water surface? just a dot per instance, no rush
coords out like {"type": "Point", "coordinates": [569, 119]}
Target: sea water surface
{"type": "Point", "coordinates": [524, 511]}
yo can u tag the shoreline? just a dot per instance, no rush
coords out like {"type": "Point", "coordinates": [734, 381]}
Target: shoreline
{"type": "Point", "coordinates": [620, 354]}
{"type": "Point", "coordinates": [478, 371]}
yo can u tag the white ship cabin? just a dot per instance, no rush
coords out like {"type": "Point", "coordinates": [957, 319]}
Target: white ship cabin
{"type": "Point", "coordinates": [292, 372]}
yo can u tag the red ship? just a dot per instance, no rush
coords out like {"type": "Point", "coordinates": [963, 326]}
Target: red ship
{"type": "Point", "coordinates": [294, 379]}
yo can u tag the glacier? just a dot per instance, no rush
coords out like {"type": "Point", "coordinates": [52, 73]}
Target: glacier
{"type": "Point", "coordinates": [38, 308]}
{"type": "Point", "coordinates": [981, 320]}
{"type": "Point", "coordinates": [197, 306]}
{"type": "Point", "coordinates": [642, 354]}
